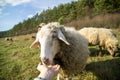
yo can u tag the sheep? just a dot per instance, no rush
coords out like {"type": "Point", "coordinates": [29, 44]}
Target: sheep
{"type": "Point", "coordinates": [103, 37]}
{"type": "Point", "coordinates": [8, 39]}
{"type": "Point", "coordinates": [40, 25]}
{"type": "Point", "coordinates": [33, 37]}
{"type": "Point", "coordinates": [64, 46]}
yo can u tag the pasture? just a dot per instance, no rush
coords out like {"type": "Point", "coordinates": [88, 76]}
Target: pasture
{"type": "Point", "coordinates": [19, 62]}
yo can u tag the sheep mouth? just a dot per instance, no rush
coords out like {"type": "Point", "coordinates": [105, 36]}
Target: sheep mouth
{"type": "Point", "coordinates": [114, 53]}
{"type": "Point", "coordinates": [55, 61]}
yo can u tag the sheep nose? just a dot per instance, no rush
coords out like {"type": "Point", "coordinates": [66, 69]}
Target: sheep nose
{"type": "Point", "coordinates": [45, 60]}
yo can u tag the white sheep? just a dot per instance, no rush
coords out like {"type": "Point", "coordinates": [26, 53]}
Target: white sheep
{"type": "Point", "coordinates": [103, 37]}
{"type": "Point", "coordinates": [64, 45]}
{"type": "Point", "coordinates": [8, 39]}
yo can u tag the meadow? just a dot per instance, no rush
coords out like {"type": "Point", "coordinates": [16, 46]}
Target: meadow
{"type": "Point", "coordinates": [19, 62]}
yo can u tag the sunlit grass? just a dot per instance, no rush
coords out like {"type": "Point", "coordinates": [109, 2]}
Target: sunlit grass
{"type": "Point", "coordinates": [19, 62]}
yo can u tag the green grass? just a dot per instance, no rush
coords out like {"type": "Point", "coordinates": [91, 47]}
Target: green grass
{"type": "Point", "coordinates": [19, 62]}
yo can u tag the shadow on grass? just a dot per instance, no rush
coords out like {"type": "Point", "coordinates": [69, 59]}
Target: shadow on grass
{"type": "Point", "coordinates": [94, 52]}
{"type": "Point", "coordinates": [105, 70]}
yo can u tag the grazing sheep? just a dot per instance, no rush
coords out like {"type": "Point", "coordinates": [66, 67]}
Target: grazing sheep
{"type": "Point", "coordinates": [103, 37]}
{"type": "Point", "coordinates": [8, 39]}
{"type": "Point", "coordinates": [33, 37]}
{"type": "Point", "coordinates": [63, 45]}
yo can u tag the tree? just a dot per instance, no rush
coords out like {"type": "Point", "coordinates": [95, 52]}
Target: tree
{"type": "Point", "coordinates": [60, 20]}
{"type": "Point", "coordinates": [107, 6]}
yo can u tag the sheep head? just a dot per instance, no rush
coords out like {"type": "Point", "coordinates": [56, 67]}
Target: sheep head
{"type": "Point", "coordinates": [49, 38]}
{"type": "Point", "coordinates": [112, 46]}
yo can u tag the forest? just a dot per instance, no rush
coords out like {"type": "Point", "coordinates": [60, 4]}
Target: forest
{"type": "Point", "coordinates": [81, 13]}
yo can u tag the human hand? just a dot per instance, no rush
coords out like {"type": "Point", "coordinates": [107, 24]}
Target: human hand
{"type": "Point", "coordinates": [48, 72]}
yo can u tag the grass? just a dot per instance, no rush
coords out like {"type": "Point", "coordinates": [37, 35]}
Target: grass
{"type": "Point", "coordinates": [19, 62]}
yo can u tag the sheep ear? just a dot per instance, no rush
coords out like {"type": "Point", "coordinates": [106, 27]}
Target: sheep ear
{"type": "Point", "coordinates": [40, 26]}
{"type": "Point", "coordinates": [62, 37]}
{"type": "Point", "coordinates": [35, 43]}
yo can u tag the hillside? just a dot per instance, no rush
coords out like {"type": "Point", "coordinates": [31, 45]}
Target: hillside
{"type": "Point", "coordinates": [19, 62]}
{"type": "Point", "coordinates": [85, 10]}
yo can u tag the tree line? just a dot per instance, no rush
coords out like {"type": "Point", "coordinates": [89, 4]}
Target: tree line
{"type": "Point", "coordinates": [65, 13]}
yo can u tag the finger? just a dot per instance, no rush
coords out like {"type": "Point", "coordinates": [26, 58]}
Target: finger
{"type": "Point", "coordinates": [56, 67]}
{"type": "Point", "coordinates": [40, 63]}
{"type": "Point", "coordinates": [41, 67]}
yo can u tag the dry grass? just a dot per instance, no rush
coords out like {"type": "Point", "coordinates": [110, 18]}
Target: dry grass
{"type": "Point", "coordinates": [107, 21]}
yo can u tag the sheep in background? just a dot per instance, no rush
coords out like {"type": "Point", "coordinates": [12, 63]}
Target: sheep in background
{"type": "Point", "coordinates": [63, 45]}
{"type": "Point", "coordinates": [103, 37]}
{"type": "Point", "coordinates": [8, 39]}
{"type": "Point", "coordinates": [33, 37]}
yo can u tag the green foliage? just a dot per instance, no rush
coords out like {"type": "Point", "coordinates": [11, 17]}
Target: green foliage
{"type": "Point", "coordinates": [107, 6]}
{"type": "Point", "coordinates": [60, 20]}
{"type": "Point", "coordinates": [65, 13]}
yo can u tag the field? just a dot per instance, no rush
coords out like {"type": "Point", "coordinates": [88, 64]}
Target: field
{"type": "Point", "coordinates": [19, 62]}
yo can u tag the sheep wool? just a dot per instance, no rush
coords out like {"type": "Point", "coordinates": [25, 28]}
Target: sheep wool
{"type": "Point", "coordinates": [73, 57]}
{"type": "Point", "coordinates": [103, 37]}
{"type": "Point", "coordinates": [73, 51]}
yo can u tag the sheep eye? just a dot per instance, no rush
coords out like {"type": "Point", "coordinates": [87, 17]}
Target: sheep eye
{"type": "Point", "coordinates": [53, 31]}
{"type": "Point", "coordinates": [117, 45]}
{"type": "Point", "coordinates": [54, 34]}
{"type": "Point", "coordinates": [110, 47]}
